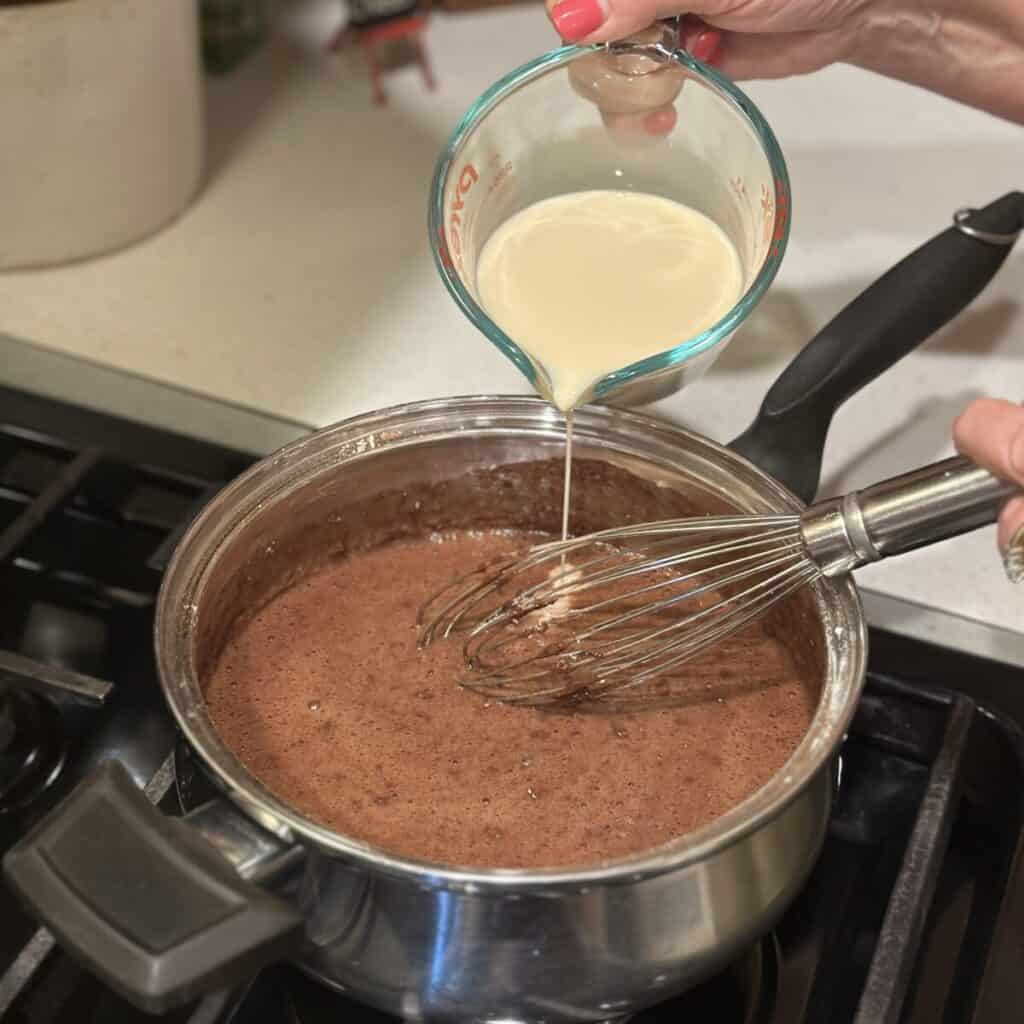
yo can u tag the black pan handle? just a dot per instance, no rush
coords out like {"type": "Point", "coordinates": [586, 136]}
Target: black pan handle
{"type": "Point", "coordinates": [895, 315]}
{"type": "Point", "coordinates": [142, 900]}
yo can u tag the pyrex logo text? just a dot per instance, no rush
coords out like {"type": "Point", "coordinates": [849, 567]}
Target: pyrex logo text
{"type": "Point", "coordinates": [467, 178]}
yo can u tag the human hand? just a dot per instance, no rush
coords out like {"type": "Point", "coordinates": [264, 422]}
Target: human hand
{"type": "Point", "coordinates": [990, 431]}
{"type": "Point", "coordinates": [969, 50]}
{"type": "Point", "coordinates": [745, 38]}
{"type": "Point", "coordinates": [759, 38]}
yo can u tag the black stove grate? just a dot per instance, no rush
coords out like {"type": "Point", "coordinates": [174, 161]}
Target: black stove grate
{"type": "Point", "coordinates": [901, 921]}
{"type": "Point", "coordinates": [915, 911]}
{"type": "Point", "coordinates": [84, 532]}
{"type": "Point", "coordinates": [82, 537]}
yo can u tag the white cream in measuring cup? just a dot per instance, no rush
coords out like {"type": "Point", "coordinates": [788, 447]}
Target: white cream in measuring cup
{"type": "Point", "coordinates": [589, 282]}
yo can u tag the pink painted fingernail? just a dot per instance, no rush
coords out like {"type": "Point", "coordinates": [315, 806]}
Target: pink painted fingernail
{"type": "Point", "coordinates": [576, 19]}
{"type": "Point", "coordinates": [705, 47]}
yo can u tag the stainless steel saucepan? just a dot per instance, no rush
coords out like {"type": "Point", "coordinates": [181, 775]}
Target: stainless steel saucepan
{"type": "Point", "coordinates": [164, 910]}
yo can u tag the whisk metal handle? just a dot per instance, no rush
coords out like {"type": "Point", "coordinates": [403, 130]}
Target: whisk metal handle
{"type": "Point", "coordinates": [905, 512]}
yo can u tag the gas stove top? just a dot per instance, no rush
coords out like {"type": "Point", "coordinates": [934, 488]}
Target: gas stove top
{"type": "Point", "coordinates": [915, 912]}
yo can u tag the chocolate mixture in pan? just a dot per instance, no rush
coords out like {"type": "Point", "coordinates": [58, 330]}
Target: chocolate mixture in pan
{"type": "Point", "coordinates": [324, 695]}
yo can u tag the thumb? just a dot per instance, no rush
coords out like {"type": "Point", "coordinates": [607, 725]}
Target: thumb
{"type": "Point", "coordinates": [991, 432]}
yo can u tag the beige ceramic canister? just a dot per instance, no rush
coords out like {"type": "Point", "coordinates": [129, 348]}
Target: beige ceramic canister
{"type": "Point", "coordinates": [101, 124]}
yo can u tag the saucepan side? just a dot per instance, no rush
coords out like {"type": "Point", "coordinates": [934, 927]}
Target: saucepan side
{"type": "Point", "coordinates": [434, 940]}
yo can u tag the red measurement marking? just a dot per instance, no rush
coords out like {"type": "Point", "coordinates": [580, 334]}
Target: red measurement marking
{"type": "Point", "coordinates": [767, 209]}
{"type": "Point", "coordinates": [782, 205]}
{"type": "Point", "coordinates": [504, 173]}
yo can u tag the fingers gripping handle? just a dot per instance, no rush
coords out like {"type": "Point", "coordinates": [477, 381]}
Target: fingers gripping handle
{"type": "Point", "coordinates": [142, 900]}
{"type": "Point", "coordinates": [896, 314]}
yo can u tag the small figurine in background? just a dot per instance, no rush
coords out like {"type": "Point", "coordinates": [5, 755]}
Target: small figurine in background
{"type": "Point", "coordinates": [377, 26]}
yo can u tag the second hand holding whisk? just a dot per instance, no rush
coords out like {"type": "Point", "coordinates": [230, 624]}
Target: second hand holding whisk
{"type": "Point", "coordinates": [662, 593]}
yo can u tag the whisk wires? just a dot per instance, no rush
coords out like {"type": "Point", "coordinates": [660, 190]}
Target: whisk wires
{"type": "Point", "coordinates": [582, 619]}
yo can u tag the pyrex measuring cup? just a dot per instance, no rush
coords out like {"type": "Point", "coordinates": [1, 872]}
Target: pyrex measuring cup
{"type": "Point", "coordinates": [534, 135]}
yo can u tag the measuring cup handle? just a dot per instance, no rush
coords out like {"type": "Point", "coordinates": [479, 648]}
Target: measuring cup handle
{"type": "Point", "coordinates": [896, 314]}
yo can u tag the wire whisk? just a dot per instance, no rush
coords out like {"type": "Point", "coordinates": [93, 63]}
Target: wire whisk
{"type": "Point", "coordinates": [577, 621]}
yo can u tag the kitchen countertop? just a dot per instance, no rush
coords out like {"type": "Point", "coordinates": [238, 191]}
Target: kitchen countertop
{"type": "Point", "coordinates": [298, 289]}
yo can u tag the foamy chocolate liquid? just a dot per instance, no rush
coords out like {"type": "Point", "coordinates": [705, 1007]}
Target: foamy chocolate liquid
{"type": "Point", "coordinates": [325, 696]}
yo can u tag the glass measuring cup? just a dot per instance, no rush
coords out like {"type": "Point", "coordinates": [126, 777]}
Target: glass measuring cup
{"type": "Point", "coordinates": [538, 133]}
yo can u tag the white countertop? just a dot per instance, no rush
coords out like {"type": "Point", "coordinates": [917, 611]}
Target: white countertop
{"type": "Point", "coordinates": [300, 283]}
